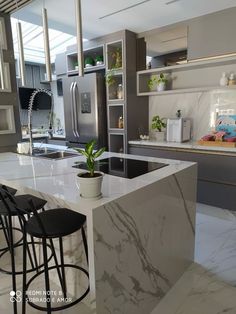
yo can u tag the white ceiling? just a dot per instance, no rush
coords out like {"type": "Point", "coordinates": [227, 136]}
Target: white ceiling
{"type": "Point", "coordinates": [148, 15]}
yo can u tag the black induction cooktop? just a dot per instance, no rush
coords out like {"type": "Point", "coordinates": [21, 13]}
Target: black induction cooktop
{"type": "Point", "coordinates": [124, 167]}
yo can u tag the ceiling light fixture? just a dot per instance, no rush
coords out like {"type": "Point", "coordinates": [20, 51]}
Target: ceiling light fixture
{"type": "Point", "coordinates": [21, 53]}
{"type": "Point", "coordinates": [78, 14]}
{"type": "Point", "coordinates": [124, 9]}
{"type": "Point", "coordinates": [46, 44]}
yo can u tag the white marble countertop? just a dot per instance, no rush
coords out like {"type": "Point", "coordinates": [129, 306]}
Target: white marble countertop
{"type": "Point", "coordinates": [186, 145]}
{"type": "Point", "coordinates": [55, 180]}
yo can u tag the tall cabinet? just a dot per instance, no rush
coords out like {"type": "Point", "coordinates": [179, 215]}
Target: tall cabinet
{"type": "Point", "coordinates": [127, 115]}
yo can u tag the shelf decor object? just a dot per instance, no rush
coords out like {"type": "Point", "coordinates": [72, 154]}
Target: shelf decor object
{"type": "Point", "coordinates": [7, 122]}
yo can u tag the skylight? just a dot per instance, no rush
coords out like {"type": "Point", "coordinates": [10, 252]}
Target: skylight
{"type": "Point", "coordinates": [34, 44]}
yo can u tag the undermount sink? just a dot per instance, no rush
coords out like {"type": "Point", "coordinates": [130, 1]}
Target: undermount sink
{"type": "Point", "coordinates": [42, 151]}
{"type": "Point", "coordinates": [59, 155]}
{"type": "Point", "coordinates": [45, 152]}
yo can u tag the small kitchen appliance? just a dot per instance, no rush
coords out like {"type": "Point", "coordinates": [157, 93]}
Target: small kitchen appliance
{"type": "Point", "coordinates": [178, 130]}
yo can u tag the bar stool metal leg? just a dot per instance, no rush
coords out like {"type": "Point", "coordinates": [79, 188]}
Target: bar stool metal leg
{"type": "Point", "coordinates": [46, 271]}
{"type": "Point", "coordinates": [62, 268]}
{"type": "Point", "coordinates": [12, 262]}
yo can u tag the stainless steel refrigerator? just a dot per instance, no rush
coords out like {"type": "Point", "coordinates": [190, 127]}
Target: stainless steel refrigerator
{"type": "Point", "coordinates": [85, 109]}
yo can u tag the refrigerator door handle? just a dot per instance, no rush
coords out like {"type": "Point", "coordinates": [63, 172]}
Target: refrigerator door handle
{"type": "Point", "coordinates": [72, 108]}
{"type": "Point", "coordinates": [76, 109]}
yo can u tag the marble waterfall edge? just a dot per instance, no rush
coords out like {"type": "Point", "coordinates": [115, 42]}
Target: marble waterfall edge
{"type": "Point", "coordinates": [143, 243]}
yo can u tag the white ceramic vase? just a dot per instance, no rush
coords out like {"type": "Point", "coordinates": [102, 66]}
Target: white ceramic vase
{"type": "Point", "coordinates": [161, 87]}
{"type": "Point", "coordinates": [159, 136]}
{"type": "Point", "coordinates": [90, 187]}
{"type": "Point", "coordinates": [224, 80]}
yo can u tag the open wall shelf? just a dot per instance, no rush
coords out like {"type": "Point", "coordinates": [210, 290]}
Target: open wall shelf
{"type": "Point", "coordinates": [7, 121]}
{"type": "Point", "coordinates": [115, 112]}
{"type": "Point", "coordinates": [116, 142]}
{"type": "Point", "coordinates": [92, 54]}
{"type": "Point", "coordinates": [113, 93]}
{"type": "Point", "coordinates": [115, 55]}
{"type": "Point", "coordinates": [188, 78]}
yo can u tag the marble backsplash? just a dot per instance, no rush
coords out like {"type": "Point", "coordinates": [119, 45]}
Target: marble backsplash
{"type": "Point", "coordinates": [201, 107]}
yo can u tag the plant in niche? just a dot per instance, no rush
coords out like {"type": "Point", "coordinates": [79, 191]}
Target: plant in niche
{"type": "Point", "coordinates": [158, 123]}
{"type": "Point", "coordinates": [91, 156]}
{"type": "Point", "coordinates": [155, 80]}
{"type": "Point", "coordinates": [110, 78]}
{"type": "Point", "coordinates": [99, 59]}
{"type": "Point", "coordinates": [89, 61]}
{"type": "Point", "coordinates": [162, 79]}
{"type": "Point", "coordinates": [152, 82]}
{"type": "Point", "coordinates": [117, 58]}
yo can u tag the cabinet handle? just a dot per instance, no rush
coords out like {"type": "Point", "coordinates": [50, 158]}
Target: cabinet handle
{"type": "Point", "coordinates": [75, 107]}
{"type": "Point", "coordinates": [72, 108]}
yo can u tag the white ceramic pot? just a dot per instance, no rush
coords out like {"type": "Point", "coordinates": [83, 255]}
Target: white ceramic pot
{"type": "Point", "coordinates": [90, 187]}
{"type": "Point", "coordinates": [159, 136]}
{"type": "Point", "coordinates": [161, 87]}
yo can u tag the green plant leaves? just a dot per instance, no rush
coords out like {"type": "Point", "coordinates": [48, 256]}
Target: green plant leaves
{"type": "Point", "coordinates": [90, 155]}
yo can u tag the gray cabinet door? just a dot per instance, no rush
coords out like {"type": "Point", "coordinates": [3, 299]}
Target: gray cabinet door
{"type": "Point", "coordinates": [212, 35]}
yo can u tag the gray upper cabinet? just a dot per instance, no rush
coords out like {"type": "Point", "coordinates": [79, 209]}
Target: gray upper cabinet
{"type": "Point", "coordinates": [212, 35]}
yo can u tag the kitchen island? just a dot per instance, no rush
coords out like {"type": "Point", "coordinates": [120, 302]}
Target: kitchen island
{"type": "Point", "coordinates": [140, 234]}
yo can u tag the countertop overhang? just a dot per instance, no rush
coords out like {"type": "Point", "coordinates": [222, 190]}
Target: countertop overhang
{"type": "Point", "coordinates": [56, 179]}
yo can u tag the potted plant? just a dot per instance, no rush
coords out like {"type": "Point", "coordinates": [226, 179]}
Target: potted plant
{"type": "Point", "coordinates": [99, 60]}
{"type": "Point", "coordinates": [161, 82]}
{"type": "Point", "coordinates": [89, 62]}
{"type": "Point", "coordinates": [157, 81]}
{"type": "Point", "coordinates": [152, 82]}
{"type": "Point", "coordinates": [90, 182]}
{"type": "Point", "coordinates": [110, 78]}
{"type": "Point", "coordinates": [117, 58]}
{"type": "Point", "coordinates": [157, 125]}
{"type": "Point", "coordinates": [76, 65]}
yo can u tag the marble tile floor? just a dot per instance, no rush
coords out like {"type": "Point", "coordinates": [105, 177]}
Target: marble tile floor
{"type": "Point", "coordinates": [209, 285]}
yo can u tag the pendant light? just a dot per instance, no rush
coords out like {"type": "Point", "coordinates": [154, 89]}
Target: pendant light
{"type": "Point", "coordinates": [78, 15]}
{"type": "Point", "coordinates": [46, 45]}
{"type": "Point", "coordinates": [20, 50]}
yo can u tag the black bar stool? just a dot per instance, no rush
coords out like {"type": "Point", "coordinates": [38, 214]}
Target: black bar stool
{"type": "Point", "coordinates": [2, 227]}
{"type": "Point", "coordinates": [9, 208]}
{"type": "Point", "coordinates": [53, 224]}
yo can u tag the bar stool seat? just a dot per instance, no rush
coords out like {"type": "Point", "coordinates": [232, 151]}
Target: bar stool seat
{"type": "Point", "coordinates": [23, 202]}
{"type": "Point", "coordinates": [58, 222]}
{"type": "Point", "coordinates": [8, 189]}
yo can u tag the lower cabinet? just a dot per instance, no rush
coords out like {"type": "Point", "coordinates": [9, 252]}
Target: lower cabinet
{"type": "Point", "coordinates": [216, 173]}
